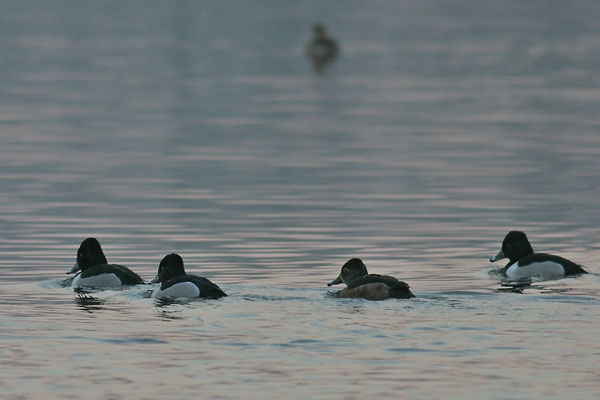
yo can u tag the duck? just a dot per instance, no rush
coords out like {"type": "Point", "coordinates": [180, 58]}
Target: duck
{"type": "Point", "coordinates": [175, 283]}
{"type": "Point", "coordinates": [321, 50]}
{"type": "Point", "coordinates": [96, 272]}
{"type": "Point", "coordinates": [361, 284]}
{"type": "Point", "coordinates": [524, 264]}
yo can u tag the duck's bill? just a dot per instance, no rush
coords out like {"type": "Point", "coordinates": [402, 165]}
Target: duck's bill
{"type": "Point", "coordinates": [155, 280]}
{"type": "Point", "coordinates": [74, 269]}
{"type": "Point", "coordinates": [498, 256]}
{"type": "Point", "coordinates": [336, 281]}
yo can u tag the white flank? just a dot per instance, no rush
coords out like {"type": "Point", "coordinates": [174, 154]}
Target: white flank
{"type": "Point", "coordinates": [544, 269]}
{"type": "Point", "coordinates": [97, 281]}
{"type": "Point", "coordinates": [178, 290]}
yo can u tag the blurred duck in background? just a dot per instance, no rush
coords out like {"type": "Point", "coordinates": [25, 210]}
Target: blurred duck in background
{"type": "Point", "coordinates": [321, 50]}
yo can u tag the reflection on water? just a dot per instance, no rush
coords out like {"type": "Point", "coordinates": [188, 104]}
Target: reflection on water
{"type": "Point", "coordinates": [200, 129]}
{"type": "Point", "coordinates": [89, 303]}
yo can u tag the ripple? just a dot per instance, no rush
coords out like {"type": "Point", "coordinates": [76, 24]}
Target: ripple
{"type": "Point", "coordinates": [162, 129]}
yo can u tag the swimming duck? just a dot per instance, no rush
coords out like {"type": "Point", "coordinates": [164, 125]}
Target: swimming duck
{"type": "Point", "coordinates": [359, 283]}
{"type": "Point", "coordinates": [523, 263]}
{"type": "Point", "coordinates": [321, 50]}
{"type": "Point", "coordinates": [95, 270]}
{"type": "Point", "coordinates": [176, 283]}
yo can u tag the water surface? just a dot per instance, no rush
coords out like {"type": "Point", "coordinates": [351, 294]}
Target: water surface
{"type": "Point", "coordinates": [183, 127]}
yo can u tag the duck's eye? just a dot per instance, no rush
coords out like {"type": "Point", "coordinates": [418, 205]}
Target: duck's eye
{"type": "Point", "coordinates": [345, 270]}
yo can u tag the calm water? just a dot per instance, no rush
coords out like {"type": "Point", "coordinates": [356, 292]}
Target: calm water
{"type": "Point", "coordinates": [180, 126]}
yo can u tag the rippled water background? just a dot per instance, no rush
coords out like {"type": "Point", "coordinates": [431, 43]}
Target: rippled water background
{"type": "Point", "coordinates": [198, 128]}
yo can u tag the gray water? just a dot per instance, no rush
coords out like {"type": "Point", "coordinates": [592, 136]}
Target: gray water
{"type": "Point", "coordinates": [199, 128]}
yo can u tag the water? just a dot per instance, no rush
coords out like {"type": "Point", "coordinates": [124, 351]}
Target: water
{"type": "Point", "coordinates": [198, 128]}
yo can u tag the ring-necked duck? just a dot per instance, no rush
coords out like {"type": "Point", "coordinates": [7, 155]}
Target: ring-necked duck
{"type": "Point", "coordinates": [95, 270]}
{"type": "Point", "coordinates": [523, 263]}
{"type": "Point", "coordinates": [321, 50]}
{"type": "Point", "coordinates": [175, 283]}
{"type": "Point", "coordinates": [359, 283]}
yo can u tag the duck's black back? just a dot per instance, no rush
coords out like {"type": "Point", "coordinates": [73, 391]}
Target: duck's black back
{"type": "Point", "coordinates": [570, 267]}
{"type": "Point", "coordinates": [398, 289]}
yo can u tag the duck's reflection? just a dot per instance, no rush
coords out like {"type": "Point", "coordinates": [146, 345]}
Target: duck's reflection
{"type": "Point", "coordinates": [514, 286]}
{"type": "Point", "coordinates": [86, 302]}
{"type": "Point", "coordinates": [166, 310]}
{"type": "Point", "coordinates": [169, 301]}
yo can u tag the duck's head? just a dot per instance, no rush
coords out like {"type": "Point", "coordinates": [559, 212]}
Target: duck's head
{"type": "Point", "coordinates": [514, 247]}
{"type": "Point", "coordinates": [319, 31]}
{"type": "Point", "coordinates": [354, 268]}
{"type": "Point", "coordinates": [89, 254]}
{"type": "Point", "coordinates": [170, 266]}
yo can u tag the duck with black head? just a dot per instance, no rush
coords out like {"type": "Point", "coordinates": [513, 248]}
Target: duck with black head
{"type": "Point", "coordinates": [322, 49]}
{"type": "Point", "coordinates": [524, 264]}
{"type": "Point", "coordinates": [175, 283]}
{"type": "Point", "coordinates": [96, 272]}
{"type": "Point", "coordinates": [361, 284]}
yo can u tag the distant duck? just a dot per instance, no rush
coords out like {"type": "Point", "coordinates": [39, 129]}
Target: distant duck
{"type": "Point", "coordinates": [95, 270]}
{"type": "Point", "coordinates": [361, 284]}
{"type": "Point", "coordinates": [176, 283]}
{"type": "Point", "coordinates": [523, 263]}
{"type": "Point", "coordinates": [321, 50]}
